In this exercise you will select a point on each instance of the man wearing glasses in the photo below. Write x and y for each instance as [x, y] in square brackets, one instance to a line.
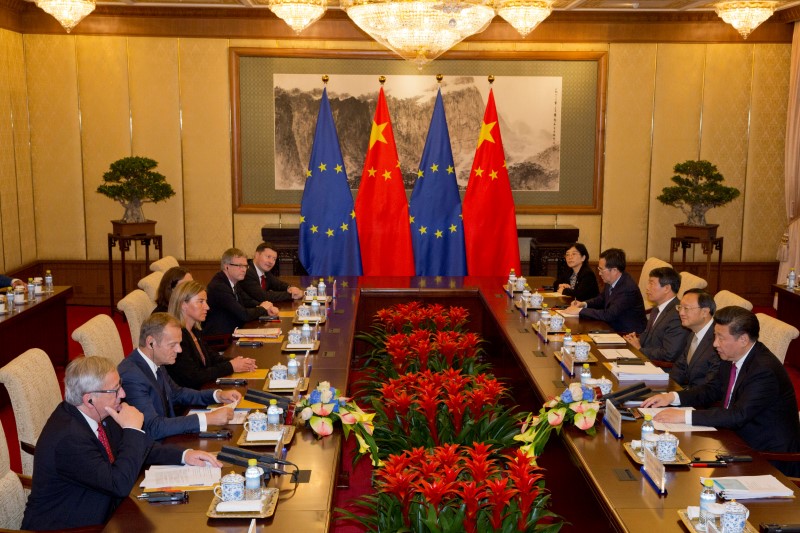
[698, 363]
[230, 307]
[91, 451]
[620, 305]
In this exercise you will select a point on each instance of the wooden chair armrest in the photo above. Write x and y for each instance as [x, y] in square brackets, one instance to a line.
[662, 364]
[26, 447]
[776, 456]
[27, 481]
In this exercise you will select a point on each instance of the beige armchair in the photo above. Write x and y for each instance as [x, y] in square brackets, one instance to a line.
[163, 264]
[99, 337]
[650, 264]
[34, 391]
[776, 334]
[728, 298]
[12, 489]
[149, 284]
[137, 306]
[690, 281]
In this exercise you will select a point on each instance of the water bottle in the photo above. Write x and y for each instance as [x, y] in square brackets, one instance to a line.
[321, 288]
[568, 345]
[252, 480]
[707, 497]
[544, 316]
[273, 416]
[305, 333]
[586, 373]
[31, 290]
[512, 279]
[647, 428]
[315, 307]
[10, 301]
[48, 282]
[791, 279]
[292, 366]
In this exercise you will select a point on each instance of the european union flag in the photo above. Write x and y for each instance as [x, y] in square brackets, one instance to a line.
[328, 234]
[435, 210]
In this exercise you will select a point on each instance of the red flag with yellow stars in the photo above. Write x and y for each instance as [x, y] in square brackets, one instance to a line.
[490, 224]
[381, 205]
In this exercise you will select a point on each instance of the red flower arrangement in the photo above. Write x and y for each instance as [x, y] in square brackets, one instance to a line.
[416, 315]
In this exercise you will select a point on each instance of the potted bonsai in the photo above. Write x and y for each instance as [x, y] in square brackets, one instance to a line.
[132, 181]
[698, 187]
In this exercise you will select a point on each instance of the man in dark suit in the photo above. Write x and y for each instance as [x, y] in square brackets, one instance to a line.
[260, 285]
[229, 306]
[620, 304]
[91, 451]
[5, 281]
[152, 391]
[698, 363]
[752, 390]
[664, 338]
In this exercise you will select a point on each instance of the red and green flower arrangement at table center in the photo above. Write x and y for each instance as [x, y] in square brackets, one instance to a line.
[451, 453]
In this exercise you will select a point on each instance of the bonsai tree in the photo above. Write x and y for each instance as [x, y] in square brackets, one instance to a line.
[698, 187]
[132, 182]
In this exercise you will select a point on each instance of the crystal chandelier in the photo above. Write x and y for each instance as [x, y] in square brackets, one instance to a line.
[524, 15]
[420, 30]
[745, 16]
[299, 14]
[67, 12]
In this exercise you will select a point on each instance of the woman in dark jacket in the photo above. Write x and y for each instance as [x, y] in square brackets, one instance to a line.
[169, 281]
[580, 282]
[198, 364]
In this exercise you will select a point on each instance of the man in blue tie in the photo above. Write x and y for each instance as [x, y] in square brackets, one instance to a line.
[91, 451]
[751, 393]
[151, 390]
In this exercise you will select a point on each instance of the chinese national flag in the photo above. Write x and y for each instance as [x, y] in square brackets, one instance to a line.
[490, 224]
[381, 205]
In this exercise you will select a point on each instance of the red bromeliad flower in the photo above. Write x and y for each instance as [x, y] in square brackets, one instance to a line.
[468, 345]
[458, 316]
[499, 494]
[478, 462]
[428, 404]
[435, 491]
[526, 478]
[456, 409]
[471, 494]
[401, 486]
[447, 455]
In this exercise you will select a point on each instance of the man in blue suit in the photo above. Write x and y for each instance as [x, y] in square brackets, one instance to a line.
[620, 304]
[5, 281]
[91, 451]
[152, 391]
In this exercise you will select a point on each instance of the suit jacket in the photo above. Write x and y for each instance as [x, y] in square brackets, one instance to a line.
[251, 285]
[621, 308]
[763, 408]
[5, 281]
[74, 483]
[156, 404]
[585, 284]
[229, 308]
[667, 339]
[703, 366]
[189, 369]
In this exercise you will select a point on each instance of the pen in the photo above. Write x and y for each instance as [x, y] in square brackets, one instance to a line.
[708, 464]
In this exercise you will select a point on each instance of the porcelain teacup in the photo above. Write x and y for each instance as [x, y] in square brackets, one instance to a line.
[230, 488]
[256, 421]
[667, 447]
[279, 371]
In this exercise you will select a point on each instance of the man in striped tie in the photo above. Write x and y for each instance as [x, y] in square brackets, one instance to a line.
[751, 393]
[91, 451]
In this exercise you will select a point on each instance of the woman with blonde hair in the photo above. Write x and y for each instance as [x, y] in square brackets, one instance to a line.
[198, 364]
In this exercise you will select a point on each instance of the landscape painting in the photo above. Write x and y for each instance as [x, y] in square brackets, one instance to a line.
[528, 107]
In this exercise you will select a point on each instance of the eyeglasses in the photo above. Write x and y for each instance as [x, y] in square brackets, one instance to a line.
[680, 308]
[238, 265]
[603, 269]
[115, 392]
[572, 254]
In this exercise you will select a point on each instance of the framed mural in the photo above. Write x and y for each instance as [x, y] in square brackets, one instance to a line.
[551, 107]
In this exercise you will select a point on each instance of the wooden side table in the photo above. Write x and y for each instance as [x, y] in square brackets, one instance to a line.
[707, 245]
[125, 245]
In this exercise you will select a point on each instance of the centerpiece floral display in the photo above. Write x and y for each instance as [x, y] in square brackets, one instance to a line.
[403, 318]
[576, 406]
[456, 489]
[323, 406]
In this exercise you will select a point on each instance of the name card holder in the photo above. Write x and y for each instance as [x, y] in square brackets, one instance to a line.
[654, 472]
[543, 332]
[613, 420]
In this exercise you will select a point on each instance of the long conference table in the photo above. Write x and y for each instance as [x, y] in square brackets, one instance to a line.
[619, 497]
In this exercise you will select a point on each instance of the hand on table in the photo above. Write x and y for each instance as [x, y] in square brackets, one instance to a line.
[659, 400]
[200, 458]
[243, 364]
[675, 416]
[633, 340]
[219, 417]
[229, 396]
[295, 292]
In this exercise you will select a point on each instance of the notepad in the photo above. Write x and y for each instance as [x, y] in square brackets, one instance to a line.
[161, 476]
[606, 338]
[261, 373]
[646, 372]
[257, 332]
[748, 487]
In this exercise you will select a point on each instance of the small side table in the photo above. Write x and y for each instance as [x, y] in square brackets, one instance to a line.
[707, 245]
[125, 245]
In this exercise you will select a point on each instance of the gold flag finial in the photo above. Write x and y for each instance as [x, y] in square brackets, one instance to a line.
[325, 79]
[491, 79]
[382, 79]
[439, 78]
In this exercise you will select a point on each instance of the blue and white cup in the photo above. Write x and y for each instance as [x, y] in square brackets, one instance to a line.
[230, 488]
[256, 421]
[536, 299]
[734, 517]
[556, 322]
[667, 447]
[304, 311]
[279, 371]
[520, 283]
[310, 291]
[605, 385]
[581, 351]
[294, 336]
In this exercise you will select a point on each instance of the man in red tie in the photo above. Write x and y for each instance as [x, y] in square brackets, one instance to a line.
[260, 285]
[91, 451]
[751, 393]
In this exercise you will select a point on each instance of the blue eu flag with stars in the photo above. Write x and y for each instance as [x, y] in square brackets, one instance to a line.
[435, 209]
[328, 235]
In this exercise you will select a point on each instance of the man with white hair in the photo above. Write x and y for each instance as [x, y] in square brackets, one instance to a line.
[91, 451]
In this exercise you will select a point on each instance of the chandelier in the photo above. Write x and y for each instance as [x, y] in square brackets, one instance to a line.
[299, 14]
[67, 12]
[524, 15]
[745, 16]
[420, 30]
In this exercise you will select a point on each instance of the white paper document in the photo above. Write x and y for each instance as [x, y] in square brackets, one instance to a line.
[748, 487]
[164, 476]
[239, 415]
[617, 353]
[646, 372]
[672, 427]
[270, 333]
[607, 338]
[568, 312]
